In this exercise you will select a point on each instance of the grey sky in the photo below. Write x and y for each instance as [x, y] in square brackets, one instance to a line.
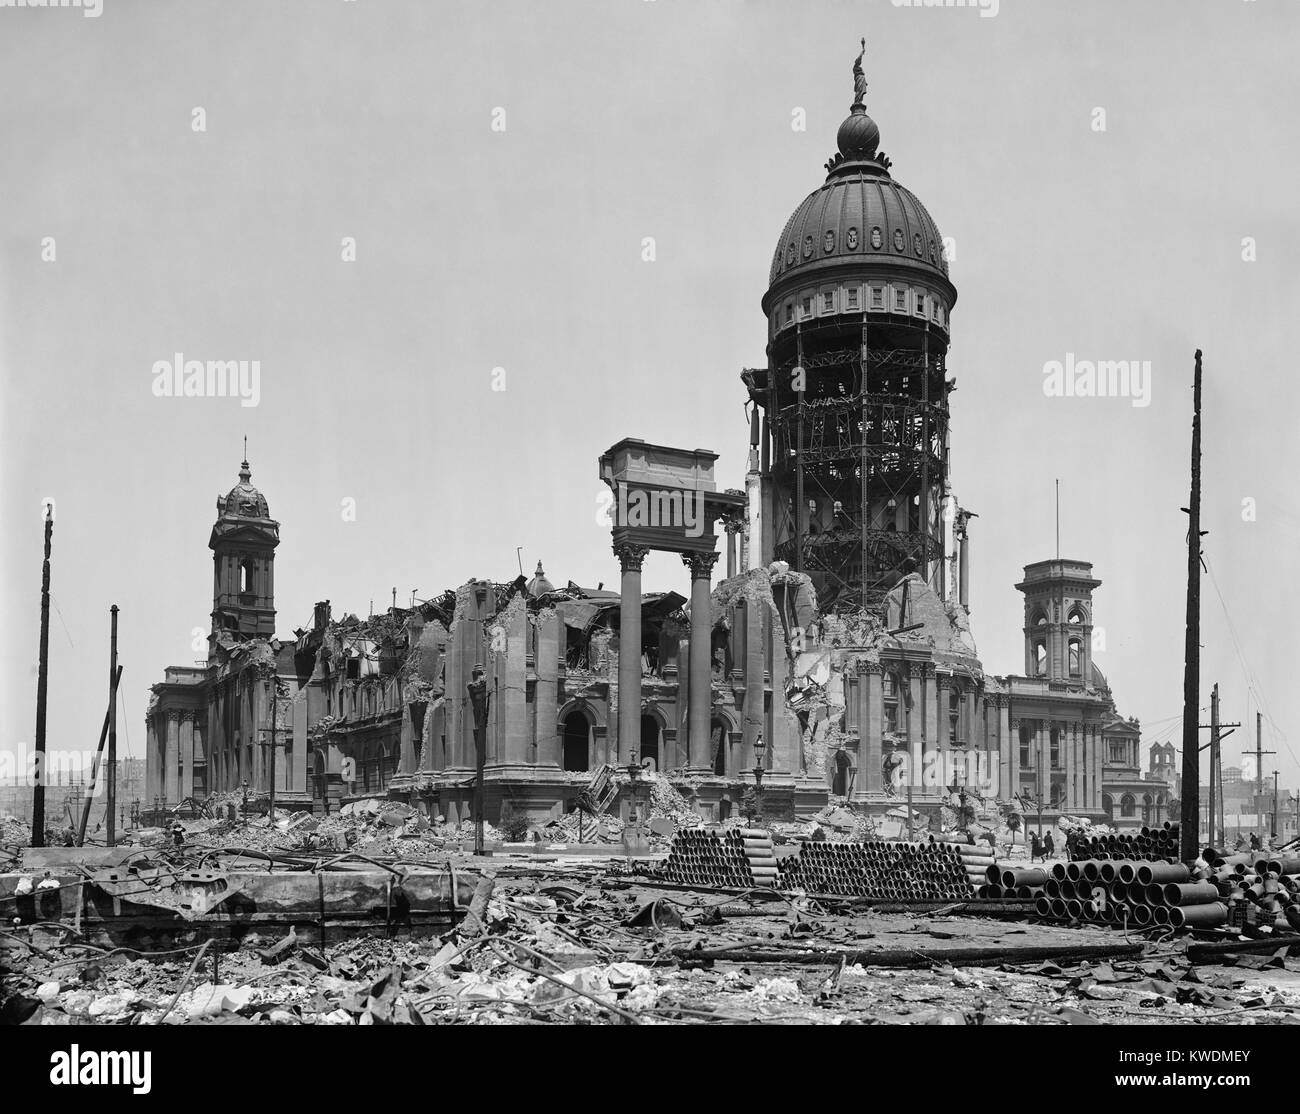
[522, 250]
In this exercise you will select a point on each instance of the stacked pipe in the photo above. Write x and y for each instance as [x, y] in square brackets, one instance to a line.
[878, 869]
[743, 858]
[1148, 845]
[1261, 889]
[1116, 892]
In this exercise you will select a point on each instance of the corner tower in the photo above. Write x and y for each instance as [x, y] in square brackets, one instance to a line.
[854, 397]
[1058, 620]
[243, 544]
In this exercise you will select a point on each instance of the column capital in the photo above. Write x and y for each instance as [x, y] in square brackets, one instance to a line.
[869, 665]
[173, 715]
[630, 556]
[944, 680]
[928, 670]
[700, 564]
[1015, 724]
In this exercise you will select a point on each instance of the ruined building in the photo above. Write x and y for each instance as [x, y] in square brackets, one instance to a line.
[833, 656]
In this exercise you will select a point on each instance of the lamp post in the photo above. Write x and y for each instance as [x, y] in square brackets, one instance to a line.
[759, 748]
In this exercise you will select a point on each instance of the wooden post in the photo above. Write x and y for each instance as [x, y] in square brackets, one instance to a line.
[1190, 820]
[111, 779]
[42, 688]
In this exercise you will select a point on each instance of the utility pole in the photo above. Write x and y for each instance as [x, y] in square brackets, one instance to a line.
[1189, 827]
[1215, 745]
[1276, 823]
[110, 780]
[1259, 771]
[42, 688]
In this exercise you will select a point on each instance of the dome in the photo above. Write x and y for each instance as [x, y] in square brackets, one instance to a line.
[244, 499]
[864, 216]
[860, 214]
[539, 585]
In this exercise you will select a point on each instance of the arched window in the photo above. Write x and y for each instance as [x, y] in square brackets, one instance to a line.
[1127, 805]
[1076, 616]
[246, 576]
[1040, 659]
[1076, 658]
[954, 714]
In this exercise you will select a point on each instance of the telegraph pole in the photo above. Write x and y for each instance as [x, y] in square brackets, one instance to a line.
[1259, 771]
[110, 781]
[42, 688]
[1217, 735]
[1273, 830]
[1190, 818]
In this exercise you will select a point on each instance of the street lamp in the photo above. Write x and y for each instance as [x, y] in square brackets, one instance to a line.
[759, 748]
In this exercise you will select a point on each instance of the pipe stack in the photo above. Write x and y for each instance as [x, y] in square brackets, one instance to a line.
[1116, 892]
[1261, 888]
[742, 859]
[878, 869]
[1148, 845]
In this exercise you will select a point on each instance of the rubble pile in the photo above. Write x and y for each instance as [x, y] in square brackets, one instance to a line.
[878, 869]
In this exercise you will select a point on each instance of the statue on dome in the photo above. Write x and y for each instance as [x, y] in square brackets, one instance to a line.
[859, 77]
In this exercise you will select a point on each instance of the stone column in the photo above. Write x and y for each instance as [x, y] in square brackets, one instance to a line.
[547, 749]
[870, 727]
[512, 669]
[732, 528]
[752, 711]
[630, 558]
[1097, 760]
[1013, 731]
[1008, 751]
[1042, 731]
[187, 755]
[916, 749]
[931, 746]
[152, 756]
[700, 697]
[171, 782]
[943, 749]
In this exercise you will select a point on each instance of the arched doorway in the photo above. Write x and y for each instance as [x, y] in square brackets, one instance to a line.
[1108, 805]
[650, 740]
[718, 744]
[577, 751]
[840, 779]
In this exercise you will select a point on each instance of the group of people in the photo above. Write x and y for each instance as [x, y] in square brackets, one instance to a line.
[1044, 848]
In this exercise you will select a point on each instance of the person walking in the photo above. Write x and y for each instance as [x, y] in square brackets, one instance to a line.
[1049, 847]
[1035, 847]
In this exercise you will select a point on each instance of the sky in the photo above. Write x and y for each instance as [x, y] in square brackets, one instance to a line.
[185, 178]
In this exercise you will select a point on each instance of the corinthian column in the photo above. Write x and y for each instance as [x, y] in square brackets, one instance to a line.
[630, 558]
[699, 697]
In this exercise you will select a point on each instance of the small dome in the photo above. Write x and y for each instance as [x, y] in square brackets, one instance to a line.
[244, 499]
[539, 585]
